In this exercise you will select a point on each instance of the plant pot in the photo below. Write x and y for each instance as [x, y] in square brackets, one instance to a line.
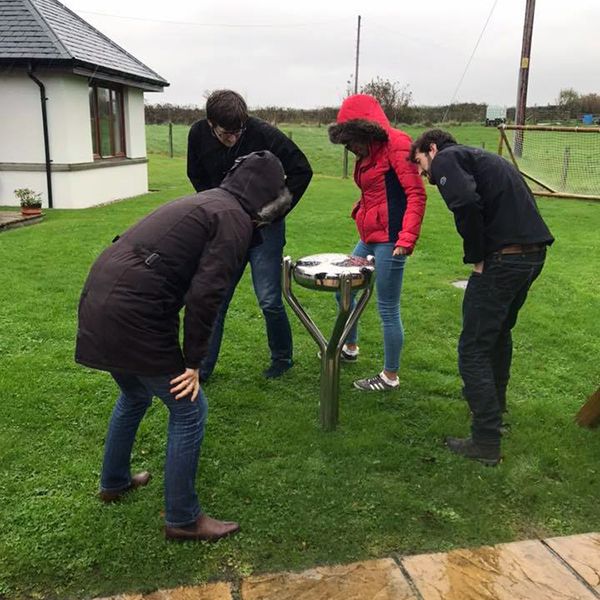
[31, 211]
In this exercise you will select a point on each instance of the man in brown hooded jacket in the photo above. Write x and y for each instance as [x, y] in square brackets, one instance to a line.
[185, 253]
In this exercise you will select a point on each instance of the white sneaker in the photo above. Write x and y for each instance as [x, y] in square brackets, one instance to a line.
[346, 355]
[375, 384]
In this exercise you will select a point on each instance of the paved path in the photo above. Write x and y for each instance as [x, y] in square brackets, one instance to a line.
[10, 219]
[565, 568]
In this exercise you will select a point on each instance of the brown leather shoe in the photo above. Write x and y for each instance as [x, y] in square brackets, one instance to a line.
[204, 529]
[138, 480]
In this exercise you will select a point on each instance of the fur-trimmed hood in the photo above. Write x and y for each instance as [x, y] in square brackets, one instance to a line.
[255, 180]
[360, 119]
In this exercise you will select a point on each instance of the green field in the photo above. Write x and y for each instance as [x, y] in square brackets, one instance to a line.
[565, 162]
[315, 142]
[381, 484]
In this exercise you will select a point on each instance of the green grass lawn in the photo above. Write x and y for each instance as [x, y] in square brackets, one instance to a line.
[381, 483]
[543, 157]
[314, 141]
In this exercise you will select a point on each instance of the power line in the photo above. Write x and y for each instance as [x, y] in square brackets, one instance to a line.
[402, 36]
[470, 59]
[229, 25]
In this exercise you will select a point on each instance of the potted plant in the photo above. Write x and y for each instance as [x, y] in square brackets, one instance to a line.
[31, 202]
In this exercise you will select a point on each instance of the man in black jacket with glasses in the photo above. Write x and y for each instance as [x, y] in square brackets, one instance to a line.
[213, 145]
[505, 239]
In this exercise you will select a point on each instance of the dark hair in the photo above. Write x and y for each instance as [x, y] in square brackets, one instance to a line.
[227, 109]
[424, 141]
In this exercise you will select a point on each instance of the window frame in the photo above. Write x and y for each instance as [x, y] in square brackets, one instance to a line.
[95, 117]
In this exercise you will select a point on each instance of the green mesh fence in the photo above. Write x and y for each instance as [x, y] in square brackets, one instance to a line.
[562, 160]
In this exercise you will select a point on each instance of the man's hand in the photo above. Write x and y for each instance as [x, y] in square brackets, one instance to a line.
[186, 384]
[478, 267]
[400, 251]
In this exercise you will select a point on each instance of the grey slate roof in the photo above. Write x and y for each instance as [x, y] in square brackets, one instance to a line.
[47, 32]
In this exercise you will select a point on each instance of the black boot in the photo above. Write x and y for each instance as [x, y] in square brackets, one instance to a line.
[278, 368]
[487, 454]
[505, 427]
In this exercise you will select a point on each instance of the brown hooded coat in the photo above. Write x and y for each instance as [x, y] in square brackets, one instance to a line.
[185, 253]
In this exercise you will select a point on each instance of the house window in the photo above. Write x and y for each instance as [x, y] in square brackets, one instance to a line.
[106, 118]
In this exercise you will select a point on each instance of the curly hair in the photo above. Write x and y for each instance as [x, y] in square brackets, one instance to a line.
[357, 130]
[423, 143]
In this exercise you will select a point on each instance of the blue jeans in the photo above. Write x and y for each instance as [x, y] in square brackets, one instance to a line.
[185, 434]
[265, 262]
[388, 284]
[490, 309]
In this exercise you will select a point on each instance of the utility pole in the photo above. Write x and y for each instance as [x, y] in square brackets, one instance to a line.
[357, 56]
[345, 174]
[524, 74]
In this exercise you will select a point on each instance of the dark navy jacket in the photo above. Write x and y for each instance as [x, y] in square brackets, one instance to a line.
[493, 206]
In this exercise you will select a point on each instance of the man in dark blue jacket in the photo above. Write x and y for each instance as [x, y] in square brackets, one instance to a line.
[213, 145]
[505, 239]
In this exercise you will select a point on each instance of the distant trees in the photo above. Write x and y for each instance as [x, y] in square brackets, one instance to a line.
[393, 97]
[401, 113]
[575, 104]
[172, 113]
[590, 103]
[186, 115]
[396, 101]
[568, 99]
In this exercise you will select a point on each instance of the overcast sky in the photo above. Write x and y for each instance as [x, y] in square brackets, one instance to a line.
[301, 53]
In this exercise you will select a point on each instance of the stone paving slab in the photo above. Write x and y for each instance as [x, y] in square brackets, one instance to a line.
[9, 219]
[213, 591]
[518, 571]
[566, 568]
[369, 580]
[6, 216]
[582, 553]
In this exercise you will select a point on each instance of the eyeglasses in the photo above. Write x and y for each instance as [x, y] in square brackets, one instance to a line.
[219, 131]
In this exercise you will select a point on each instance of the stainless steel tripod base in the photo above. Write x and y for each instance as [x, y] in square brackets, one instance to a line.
[346, 319]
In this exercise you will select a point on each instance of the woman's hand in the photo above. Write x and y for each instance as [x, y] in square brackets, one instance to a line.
[400, 251]
[186, 384]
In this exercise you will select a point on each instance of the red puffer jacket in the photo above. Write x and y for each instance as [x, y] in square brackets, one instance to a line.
[392, 201]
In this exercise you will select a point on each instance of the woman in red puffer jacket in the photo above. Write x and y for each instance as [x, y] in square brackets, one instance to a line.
[388, 217]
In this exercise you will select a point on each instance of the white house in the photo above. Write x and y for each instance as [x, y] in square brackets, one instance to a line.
[71, 109]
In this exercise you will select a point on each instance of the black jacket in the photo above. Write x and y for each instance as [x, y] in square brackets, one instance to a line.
[492, 205]
[208, 159]
[184, 253]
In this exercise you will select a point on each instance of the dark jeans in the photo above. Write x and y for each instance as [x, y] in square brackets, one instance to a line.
[265, 262]
[185, 434]
[490, 308]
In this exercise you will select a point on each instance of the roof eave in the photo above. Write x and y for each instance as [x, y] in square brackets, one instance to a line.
[85, 69]
[114, 76]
